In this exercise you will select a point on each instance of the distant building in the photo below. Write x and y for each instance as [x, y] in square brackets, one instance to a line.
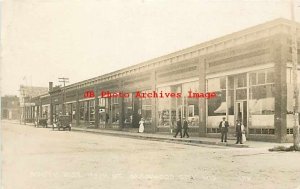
[26, 104]
[10, 107]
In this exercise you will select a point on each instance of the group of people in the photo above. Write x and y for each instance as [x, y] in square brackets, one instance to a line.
[223, 126]
[179, 128]
[239, 129]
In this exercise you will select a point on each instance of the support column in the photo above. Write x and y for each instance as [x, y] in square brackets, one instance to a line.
[77, 115]
[97, 92]
[51, 110]
[121, 107]
[41, 108]
[278, 53]
[109, 124]
[202, 101]
[122, 115]
[153, 103]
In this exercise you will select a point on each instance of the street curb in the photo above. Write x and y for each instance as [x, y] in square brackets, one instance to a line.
[193, 142]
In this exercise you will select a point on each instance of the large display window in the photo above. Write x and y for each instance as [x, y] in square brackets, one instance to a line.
[103, 111]
[164, 112]
[262, 99]
[146, 110]
[172, 109]
[216, 107]
[191, 105]
[92, 112]
[115, 110]
[128, 110]
[81, 111]
[74, 112]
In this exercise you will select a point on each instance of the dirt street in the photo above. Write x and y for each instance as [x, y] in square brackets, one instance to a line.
[39, 158]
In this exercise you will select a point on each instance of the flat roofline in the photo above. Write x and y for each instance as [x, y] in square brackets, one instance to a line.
[194, 47]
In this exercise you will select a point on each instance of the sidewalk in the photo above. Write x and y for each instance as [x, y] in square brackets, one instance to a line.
[188, 141]
[196, 141]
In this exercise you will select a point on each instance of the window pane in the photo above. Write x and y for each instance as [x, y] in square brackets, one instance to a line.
[230, 102]
[230, 82]
[261, 78]
[270, 77]
[262, 100]
[213, 84]
[252, 78]
[146, 109]
[81, 110]
[86, 110]
[115, 110]
[191, 86]
[164, 108]
[102, 111]
[241, 94]
[128, 110]
[217, 106]
[92, 112]
[223, 83]
[242, 80]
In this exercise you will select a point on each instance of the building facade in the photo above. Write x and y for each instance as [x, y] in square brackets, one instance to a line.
[250, 71]
[10, 107]
[27, 104]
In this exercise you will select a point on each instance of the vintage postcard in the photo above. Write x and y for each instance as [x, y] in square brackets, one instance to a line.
[150, 94]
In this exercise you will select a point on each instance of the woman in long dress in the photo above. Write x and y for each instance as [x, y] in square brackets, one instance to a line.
[243, 133]
[141, 128]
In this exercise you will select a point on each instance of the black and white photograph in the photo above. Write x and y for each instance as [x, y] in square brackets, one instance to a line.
[141, 94]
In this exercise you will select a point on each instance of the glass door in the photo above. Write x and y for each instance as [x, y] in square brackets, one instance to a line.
[241, 112]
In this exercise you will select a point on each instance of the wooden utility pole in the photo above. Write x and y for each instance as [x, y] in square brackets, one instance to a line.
[22, 96]
[63, 80]
[295, 79]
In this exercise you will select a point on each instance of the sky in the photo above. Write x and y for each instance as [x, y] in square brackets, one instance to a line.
[42, 40]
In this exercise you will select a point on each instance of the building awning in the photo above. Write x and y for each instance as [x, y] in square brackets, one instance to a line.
[221, 109]
[257, 106]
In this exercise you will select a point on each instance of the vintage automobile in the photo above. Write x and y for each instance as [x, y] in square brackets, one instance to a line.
[41, 122]
[63, 122]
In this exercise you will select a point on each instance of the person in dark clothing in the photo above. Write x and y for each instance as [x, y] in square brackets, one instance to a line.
[223, 126]
[106, 118]
[185, 128]
[179, 128]
[239, 131]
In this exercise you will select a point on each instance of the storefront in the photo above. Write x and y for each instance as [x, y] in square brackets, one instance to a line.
[249, 73]
[248, 97]
[172, 109]
[86, 112]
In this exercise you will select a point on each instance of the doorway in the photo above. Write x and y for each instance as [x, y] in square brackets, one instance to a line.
[241, 112]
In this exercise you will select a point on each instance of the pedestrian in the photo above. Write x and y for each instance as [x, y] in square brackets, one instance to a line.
[141, 127]
[106, 118]
[179, 128]
[243, 134]
[223, 126]
[239, 132]
[185, 128]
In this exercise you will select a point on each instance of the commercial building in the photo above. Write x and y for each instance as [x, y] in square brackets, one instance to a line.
[250, 71]
[27, 104]
[10, 107]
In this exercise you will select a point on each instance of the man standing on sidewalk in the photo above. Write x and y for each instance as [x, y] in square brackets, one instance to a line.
[185, 128]
[223, 126]
[239, 132]
[179, 128]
